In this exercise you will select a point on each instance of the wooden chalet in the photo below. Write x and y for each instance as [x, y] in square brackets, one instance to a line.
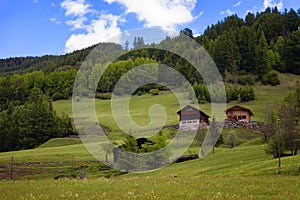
[239, 113]
[191, 117]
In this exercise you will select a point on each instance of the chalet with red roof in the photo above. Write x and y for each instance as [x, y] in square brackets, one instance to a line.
[239, 113]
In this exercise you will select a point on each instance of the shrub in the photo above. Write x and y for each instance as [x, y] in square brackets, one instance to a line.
[57, 96]
[232, 140]
[246, 79]
[139, 93]
[154, 92]
[67, 173]
[246, 94]
[77, 98]
[271, 78]
[105, 96]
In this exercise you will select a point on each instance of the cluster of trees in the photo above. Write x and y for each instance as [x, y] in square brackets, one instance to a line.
[32, 124]
[244, 50]
[284, 125]
[233, 93]
[49, 63]
[17, 88]
[257, 44]
[128, 162]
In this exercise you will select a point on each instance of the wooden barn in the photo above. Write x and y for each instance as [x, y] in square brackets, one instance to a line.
[191, 117]
[239, 113]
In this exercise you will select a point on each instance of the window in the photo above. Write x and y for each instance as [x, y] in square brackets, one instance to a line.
[237, 112]
[183, 122]
[243, 116]
[244, 112]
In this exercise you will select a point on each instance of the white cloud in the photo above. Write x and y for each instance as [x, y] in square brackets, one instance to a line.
[77, 23]
[237, 4]
[35, 1]
[98, 31]
[92, 31]
[273, 3]
[76, 7]
[199, 15]
[54, 20]
[227, 12]
[166, 14]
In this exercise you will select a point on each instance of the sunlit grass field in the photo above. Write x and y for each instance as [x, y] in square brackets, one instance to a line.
[244, 172]
[265, 98]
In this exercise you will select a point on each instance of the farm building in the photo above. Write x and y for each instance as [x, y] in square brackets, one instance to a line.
[239, 113]
[190, 118]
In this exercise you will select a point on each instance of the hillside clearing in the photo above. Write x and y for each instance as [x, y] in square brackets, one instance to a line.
[245, 172]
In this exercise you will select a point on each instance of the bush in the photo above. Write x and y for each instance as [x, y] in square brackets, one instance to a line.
[139, 93]
[105, 96]
[154, 92]
[67, 173]
[246, 79]
[246, 94]
[272, 147]
[77, 98]
[232, 93]
[232, 140]
[271, 78]
[57, 96]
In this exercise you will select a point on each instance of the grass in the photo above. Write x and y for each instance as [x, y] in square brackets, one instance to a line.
[266, 96]
[57, 142]
[245, 172]
[243, 135]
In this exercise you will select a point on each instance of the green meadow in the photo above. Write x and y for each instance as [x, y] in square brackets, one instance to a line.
[266, 96]
[244, 172]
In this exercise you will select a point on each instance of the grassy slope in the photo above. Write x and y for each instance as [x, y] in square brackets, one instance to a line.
[57, 142]
[266, 96]
[245, 172]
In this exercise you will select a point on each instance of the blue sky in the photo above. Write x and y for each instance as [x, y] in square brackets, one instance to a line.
[39, 27]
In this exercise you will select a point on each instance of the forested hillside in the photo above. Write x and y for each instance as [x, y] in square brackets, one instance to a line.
[258, 43]
[246, 51]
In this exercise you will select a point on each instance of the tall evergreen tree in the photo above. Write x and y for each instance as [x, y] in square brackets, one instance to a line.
[247, 44]
[262, 60]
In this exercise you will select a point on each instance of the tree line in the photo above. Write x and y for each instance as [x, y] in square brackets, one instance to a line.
[257, 44]
[29, 125]
[16, 89]
[245, 51]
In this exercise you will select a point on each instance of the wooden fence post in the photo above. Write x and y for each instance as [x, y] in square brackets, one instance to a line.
[72, 160]
[11, 168]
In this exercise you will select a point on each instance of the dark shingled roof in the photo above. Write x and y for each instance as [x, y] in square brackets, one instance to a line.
[240, 107]
[191, 107]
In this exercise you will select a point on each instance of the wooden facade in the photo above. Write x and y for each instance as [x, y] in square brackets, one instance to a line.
[191, 117]
[239, 113]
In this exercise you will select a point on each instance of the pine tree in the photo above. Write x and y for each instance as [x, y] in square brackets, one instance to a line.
[247, 44]
[262, 59]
